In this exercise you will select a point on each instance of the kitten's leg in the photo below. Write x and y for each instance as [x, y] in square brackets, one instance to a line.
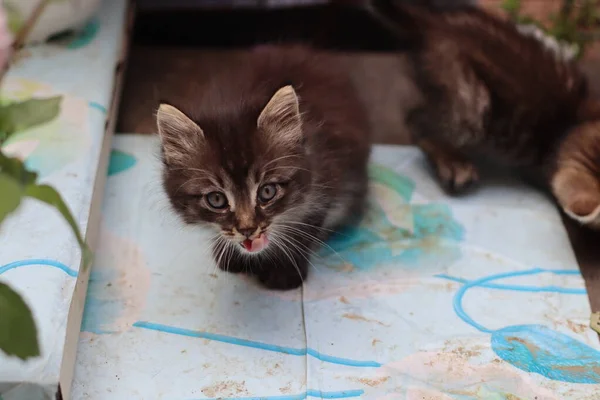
[281, 271]
[227, 258]
[455, 172]
[451, 119]
[286, 261]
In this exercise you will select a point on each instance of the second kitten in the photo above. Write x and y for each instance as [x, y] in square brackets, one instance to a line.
[491, 91]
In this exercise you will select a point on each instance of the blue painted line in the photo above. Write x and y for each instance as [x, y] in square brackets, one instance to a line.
[36, 261]
[519, 288]
[256, 345]
[345, 394]
[458, 297]
[98, 106]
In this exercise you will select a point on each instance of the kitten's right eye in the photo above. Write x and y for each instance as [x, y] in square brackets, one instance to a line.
[217, 200]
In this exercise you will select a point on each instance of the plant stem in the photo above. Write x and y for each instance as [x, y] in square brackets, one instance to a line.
[21, 36]
[29, 24]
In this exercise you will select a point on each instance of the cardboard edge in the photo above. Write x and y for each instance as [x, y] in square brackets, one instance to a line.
[67, 369]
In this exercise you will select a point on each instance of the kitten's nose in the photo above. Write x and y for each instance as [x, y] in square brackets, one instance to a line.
[247, 231]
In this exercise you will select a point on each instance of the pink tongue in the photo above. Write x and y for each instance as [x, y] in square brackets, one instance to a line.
[257, 244]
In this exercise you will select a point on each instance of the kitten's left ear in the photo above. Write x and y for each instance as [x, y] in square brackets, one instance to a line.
[281, 117]
[179, 135]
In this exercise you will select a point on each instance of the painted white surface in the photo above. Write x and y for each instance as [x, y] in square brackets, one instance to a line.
[376, 323]
[57, 17]
[66, 153]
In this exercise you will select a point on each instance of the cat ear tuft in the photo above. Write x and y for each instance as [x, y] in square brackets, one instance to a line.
[281, 117]
[180, 136]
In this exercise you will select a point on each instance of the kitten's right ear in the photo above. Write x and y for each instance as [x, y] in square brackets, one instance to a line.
[179, 135]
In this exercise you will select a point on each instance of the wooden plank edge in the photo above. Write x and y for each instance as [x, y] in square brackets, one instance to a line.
[67, 370]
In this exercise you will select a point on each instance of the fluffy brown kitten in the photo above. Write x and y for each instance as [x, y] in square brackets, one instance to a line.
[492, 92]
[273, 156]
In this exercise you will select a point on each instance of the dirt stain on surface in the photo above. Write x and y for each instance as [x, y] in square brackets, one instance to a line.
[374, 342]
[346, 267]
[286, 389]
[374, 382]
[272, 370]
[225, 389]
[575, 327]
[531, 347]
[344, 300]
[357, 317]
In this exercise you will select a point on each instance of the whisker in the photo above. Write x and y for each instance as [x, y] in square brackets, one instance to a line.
[188, 181]
[299, 250]
[287, 167]
[311, 237]
[282, 246]
[281, 158]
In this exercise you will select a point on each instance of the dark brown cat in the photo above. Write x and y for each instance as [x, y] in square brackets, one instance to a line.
[272, 156]
[495, 93]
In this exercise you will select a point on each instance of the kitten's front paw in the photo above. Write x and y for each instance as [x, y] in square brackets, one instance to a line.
[282, 278]
[231, 264]
[456, 176]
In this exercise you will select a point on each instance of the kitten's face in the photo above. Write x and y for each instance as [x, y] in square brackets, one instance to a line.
[243, 180]
[576, 182]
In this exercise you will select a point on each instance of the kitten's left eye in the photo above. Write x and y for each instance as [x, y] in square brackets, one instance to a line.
[267, 192]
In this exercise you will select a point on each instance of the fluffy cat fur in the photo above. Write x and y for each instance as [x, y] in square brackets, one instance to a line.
[286, 126]
[494, 92]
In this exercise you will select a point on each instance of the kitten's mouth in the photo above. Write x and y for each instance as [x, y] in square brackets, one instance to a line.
[257, 244]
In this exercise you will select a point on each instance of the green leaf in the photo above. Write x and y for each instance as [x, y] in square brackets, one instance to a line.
[18, 336]
[15, 168]
[12, 193]
[14, 18]
[50, 196]
[14, 177]
[19, 116]
[16, 181]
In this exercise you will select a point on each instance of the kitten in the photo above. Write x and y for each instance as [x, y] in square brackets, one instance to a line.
[273, 155]
[496, 93]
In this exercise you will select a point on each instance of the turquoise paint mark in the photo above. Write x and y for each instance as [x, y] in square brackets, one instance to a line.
[119, 162]
[436, 220]
[519, 288]
[256, 345]
[377, 241]
[536, 348]
[86, 36]
[389, 178]
[539, 349]
[98, 106]
[101, 308]
[37, 261]
[345, 394]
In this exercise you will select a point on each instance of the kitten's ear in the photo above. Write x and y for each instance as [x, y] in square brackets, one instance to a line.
[179, 135]
[281, 117]
[579, 196]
